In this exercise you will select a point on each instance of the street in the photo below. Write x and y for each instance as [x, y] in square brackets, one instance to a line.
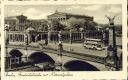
[78, 47]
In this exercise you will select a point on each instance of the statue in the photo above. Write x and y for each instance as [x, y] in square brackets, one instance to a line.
[111, 20]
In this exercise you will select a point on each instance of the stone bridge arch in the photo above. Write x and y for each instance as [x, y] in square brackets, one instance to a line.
[15, 53]
[14, 50]
[79, 65]
[67, 60]
[39, 57]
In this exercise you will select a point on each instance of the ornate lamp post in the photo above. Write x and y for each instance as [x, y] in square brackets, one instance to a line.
[60, 61]
[8, 60]
[49, 31]
[26, 45]
[114, 47]
[6, 34]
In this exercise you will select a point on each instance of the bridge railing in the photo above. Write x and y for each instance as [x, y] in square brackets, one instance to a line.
[82, 56]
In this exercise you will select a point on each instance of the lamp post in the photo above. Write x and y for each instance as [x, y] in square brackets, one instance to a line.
[26, 45]
[49, 31]
[60, 49]
[112, 27]
[6, 44]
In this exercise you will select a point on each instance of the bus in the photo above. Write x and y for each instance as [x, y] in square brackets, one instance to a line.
[95, 44]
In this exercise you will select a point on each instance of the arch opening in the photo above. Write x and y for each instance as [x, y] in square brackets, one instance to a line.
[15, 58]
[77, 65]
[40, 57]
[15, 53]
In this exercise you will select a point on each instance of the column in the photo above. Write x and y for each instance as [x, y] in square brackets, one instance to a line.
[49, 35]
[9, 37]
[110, 36]
[40, 36]
[24, 38]
[82, 36]
[70, 36]
[60, 36]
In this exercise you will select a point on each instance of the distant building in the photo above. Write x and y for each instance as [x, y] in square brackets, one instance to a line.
[63, 17]
[21, 23]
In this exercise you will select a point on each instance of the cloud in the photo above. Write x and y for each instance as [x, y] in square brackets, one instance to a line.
[87, 8]
[114, 10]
[93, 7]
[74, 7]
[33, 13]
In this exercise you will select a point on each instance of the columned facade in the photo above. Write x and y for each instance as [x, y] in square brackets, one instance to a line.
[32, 36]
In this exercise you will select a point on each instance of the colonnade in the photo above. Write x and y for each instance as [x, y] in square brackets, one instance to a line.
[16, 37]
[54, 36]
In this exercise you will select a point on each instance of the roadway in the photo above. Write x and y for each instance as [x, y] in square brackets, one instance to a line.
[78, 47]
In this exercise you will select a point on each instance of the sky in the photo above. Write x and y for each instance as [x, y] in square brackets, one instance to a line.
[98, 11]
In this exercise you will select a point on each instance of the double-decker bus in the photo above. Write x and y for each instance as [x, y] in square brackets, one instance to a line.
[95, 44]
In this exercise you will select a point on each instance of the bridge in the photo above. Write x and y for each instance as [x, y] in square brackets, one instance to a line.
[25, 48]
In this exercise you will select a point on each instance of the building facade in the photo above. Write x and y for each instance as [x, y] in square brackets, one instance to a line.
[63, 17]
[21, 23]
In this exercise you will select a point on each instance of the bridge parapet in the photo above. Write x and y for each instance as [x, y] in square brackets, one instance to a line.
[66, 55]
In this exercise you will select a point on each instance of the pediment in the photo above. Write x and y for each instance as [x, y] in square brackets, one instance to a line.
[56, 15]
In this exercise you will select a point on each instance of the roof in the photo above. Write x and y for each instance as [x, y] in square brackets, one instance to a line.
[68, 14]
[11, 17]
[15, 17]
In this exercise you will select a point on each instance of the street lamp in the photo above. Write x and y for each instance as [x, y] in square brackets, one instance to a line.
[7, 35]
[6, 28]
[49, 31]
[59, 63]
[26, 45]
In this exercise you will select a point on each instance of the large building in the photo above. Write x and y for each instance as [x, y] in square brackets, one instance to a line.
[21, 23]
[63, 17]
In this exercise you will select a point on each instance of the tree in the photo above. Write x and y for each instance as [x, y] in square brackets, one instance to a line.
[90, 25]
[75, 24]
[43, 26]
[56, 25]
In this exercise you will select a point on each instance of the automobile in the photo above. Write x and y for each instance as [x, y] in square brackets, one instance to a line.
[58, 67]
[49, 67]
[45, 66]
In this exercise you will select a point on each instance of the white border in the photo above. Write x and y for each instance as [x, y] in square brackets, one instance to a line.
[77, 75]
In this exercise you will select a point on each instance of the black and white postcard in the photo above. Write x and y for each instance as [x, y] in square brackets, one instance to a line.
[84, 40]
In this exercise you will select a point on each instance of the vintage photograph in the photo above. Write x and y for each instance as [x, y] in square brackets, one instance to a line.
[79, 37]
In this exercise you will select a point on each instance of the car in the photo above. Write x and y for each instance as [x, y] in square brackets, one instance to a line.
[58, 67]
[49, 67]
